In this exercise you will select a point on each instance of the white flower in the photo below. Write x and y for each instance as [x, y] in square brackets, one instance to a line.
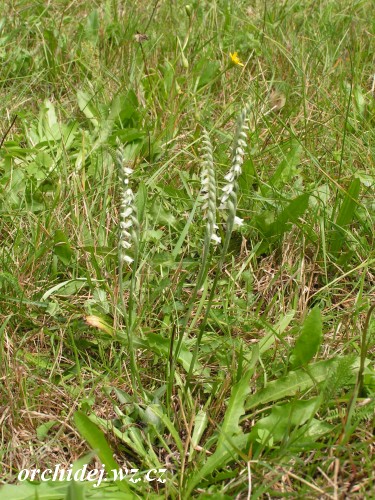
[230, 189]
[230, 176]
[128, 214]
[238, 221]
[208, 189]
[215, 238]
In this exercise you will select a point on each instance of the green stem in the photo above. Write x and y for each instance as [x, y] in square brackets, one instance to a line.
[200, 280]
[230, 224]
[128, 313]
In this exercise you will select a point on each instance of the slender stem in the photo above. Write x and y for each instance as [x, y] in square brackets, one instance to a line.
[200, 280]
[230, 201]
[359, 382]
[209, 191]
[364, 348]
[230, 224]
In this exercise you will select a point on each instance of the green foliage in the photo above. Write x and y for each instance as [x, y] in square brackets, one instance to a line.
[193, 357]
[97, 441]
[231, 437]
[309, 340]
[345, 215]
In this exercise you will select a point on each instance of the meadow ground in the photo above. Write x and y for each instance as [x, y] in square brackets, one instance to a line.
[238, 357]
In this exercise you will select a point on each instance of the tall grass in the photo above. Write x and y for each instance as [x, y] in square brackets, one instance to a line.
[187, 247]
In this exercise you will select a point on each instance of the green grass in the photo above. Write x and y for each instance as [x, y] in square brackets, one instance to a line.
[245, 369]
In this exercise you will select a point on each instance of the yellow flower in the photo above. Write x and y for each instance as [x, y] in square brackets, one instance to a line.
[235, 59]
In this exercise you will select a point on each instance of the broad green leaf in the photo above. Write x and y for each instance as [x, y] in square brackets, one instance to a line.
[200, 425]
[294, 382]
[359, 100]
[349, 204]
[247, 178]
[162, 216]
[75, 491]
[87, 107]
[185, 231]
[231, 438]
[289, 215]
[43, 429]
[207, 71]
[309, 340]
[235, 409]
[216, 462]
[130, 135]
[62, 247]
[161, 346]
[66, 288]
[345, 215]
[287, 167]
[129, 109]
[132, 437]
[48, 126]
[58, 490]
[168, 77]
[282, 419]
[50, 113]
[30, 491]
[169, 425]
[96, 439]
[92, 26]
[269, 339]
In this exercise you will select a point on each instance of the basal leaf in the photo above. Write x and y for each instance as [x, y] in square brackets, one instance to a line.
[85, 103]
[141, 201]
[283, 418]
[235, 409]
[200, 425]
[287, 167]
[295, 381]
[96, 439]
[308, 342]
[231, 438]
[62, 248]
[289, 215]
[345, 215]
[217, 461]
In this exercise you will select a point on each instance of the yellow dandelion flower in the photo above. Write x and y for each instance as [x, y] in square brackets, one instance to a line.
[235, 59]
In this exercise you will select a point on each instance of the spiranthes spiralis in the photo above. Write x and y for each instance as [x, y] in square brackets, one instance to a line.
[128, 242]
[229, 204]
[208, 196]
[129, 227]
[228, 199]
[208, 189]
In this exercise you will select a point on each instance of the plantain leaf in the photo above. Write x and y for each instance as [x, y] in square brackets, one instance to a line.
[96, 439]
[85, 103]
[288, 166]
[231, 438]
[290, 215]
[310, 339]
[345, 215]
[282, 419]
[234, 411]
[62, 248]
[296, 381]
[200, 425]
